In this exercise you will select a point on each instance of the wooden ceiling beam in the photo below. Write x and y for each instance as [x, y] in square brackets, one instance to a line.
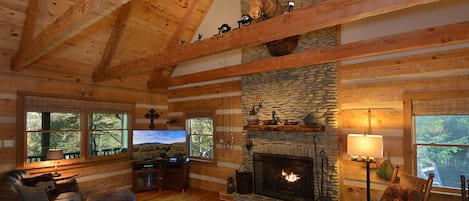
[30, 23]
[425, 38]
[116, 35]
[300, 21]
[81, 15]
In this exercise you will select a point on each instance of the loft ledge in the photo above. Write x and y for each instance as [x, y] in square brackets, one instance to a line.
[298, 128]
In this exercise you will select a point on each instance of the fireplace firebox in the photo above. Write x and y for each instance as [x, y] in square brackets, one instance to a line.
[284, 177]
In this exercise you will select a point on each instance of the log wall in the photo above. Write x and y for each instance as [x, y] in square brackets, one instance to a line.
[222, 98]
[380, 86]
[92, 176]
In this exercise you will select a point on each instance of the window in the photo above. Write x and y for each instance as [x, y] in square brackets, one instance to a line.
[200, 130]
[52, 130]
[82, 129]
[442, 144]
[438, 138]
[108, 134]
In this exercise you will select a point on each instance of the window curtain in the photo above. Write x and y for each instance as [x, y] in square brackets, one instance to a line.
[443, 106]
[48, 104]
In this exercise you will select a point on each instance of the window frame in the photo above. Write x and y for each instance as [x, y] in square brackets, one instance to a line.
[189, 135]
[21, 144]
[409, 138]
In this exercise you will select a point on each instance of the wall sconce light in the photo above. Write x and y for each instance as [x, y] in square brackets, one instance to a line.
[55, 154]
[364, 148]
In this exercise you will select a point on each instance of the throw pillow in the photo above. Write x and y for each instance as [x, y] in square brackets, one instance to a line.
[49, 187]
[31, 181]
[29, 193]
[395, 192]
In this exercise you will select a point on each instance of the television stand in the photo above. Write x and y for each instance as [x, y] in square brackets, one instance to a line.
[160, 175]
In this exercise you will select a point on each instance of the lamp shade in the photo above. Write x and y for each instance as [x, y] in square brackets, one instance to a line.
[55, 154]
[365, 145]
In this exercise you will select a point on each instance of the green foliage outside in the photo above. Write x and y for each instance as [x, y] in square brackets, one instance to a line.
[201, 137]
[439, 150]
[107, 131]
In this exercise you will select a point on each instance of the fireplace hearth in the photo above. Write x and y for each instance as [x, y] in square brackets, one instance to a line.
[284, 177]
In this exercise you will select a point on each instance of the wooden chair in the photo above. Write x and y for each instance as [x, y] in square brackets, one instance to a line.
[411, 184]
[464, 194]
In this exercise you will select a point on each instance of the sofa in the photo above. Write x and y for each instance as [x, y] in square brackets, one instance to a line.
[19, 186]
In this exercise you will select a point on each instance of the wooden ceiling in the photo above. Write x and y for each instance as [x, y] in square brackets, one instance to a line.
[77, 38]
[109, 40]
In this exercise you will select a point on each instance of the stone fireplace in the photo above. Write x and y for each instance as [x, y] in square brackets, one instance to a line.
[284, 177]
[293, 94]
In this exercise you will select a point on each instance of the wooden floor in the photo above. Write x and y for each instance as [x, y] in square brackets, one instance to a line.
[190, 194]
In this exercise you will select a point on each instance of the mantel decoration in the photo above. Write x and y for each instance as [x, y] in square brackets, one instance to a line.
[309, 120]
[152, 115]
[252, 118]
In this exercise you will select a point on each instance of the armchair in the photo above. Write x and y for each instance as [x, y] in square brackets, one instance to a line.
[407, 187]
[17, 185]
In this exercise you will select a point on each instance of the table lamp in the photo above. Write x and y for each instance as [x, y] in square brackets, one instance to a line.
[364, 148]
[55, 154]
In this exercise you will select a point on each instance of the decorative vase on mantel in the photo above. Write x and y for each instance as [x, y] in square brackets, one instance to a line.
[309, 120]
[252, 118]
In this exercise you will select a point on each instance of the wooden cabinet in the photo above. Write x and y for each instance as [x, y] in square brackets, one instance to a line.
[159, 175]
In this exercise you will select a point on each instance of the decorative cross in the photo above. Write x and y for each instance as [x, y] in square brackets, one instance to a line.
[152, 115]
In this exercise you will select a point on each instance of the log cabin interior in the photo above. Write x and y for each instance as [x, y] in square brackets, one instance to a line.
[356, 67]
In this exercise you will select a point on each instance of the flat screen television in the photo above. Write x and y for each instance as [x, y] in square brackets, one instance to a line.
[159, 144]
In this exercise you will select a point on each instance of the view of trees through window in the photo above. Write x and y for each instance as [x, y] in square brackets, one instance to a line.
[108, 133]
[201, 137]
[443, 148]
[47, 130]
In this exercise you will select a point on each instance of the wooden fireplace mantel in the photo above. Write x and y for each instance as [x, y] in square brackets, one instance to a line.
[297, 128]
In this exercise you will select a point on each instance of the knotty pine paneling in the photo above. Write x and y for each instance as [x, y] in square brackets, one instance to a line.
[211, 104]
[229, 155]
[230, 119]
[415, 66]
[7, 107]
[63, 88]
[381, 118]
[217, 88]
[393, 91]
[50, 11]
[8, 131]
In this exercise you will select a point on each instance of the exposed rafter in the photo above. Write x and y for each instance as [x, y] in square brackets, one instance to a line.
[319, 16]
[116, 35]
[81, 15]
[431, 37]
[30, 23]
